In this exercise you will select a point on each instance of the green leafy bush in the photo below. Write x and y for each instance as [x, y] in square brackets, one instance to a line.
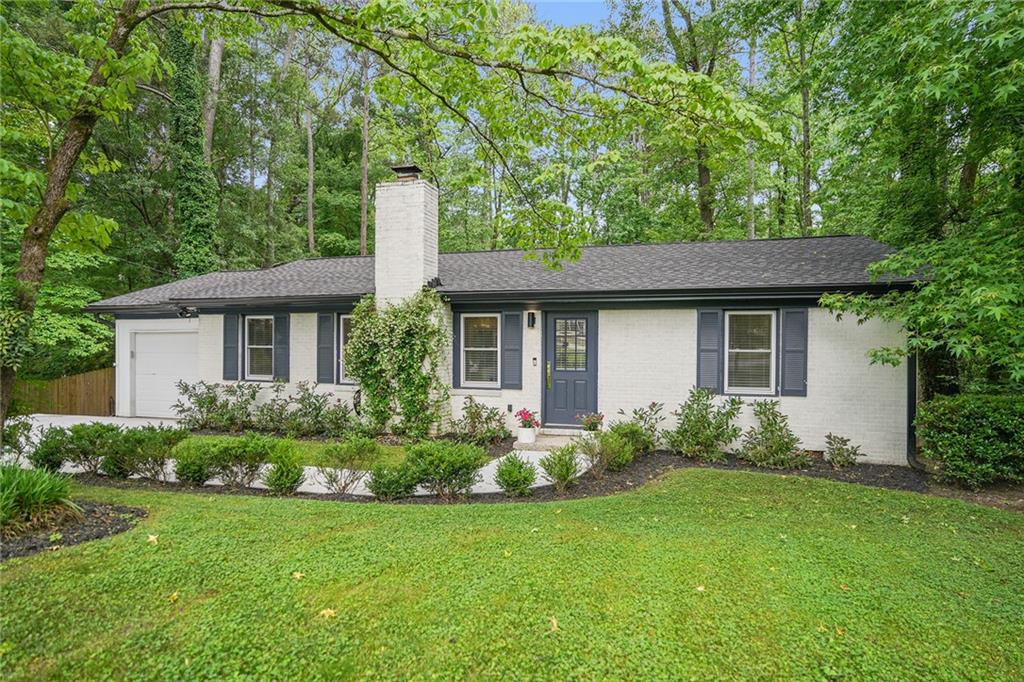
[227, 407]
[31, 495]
[771, 443]
[839, 452]
[479, 424]
[704, 429]
[153, 445]
[561, 467]
[515, 475]
[648, 420]
[445, 468]
[16, 439]
[343, 465]
[50, 452]
[237, 461]
[193, 465]
[306, 417]
[604, 451]
[89, 443]
[285, 474]
[592, 421]
[978, 439]
[639, 440]
[392, 482]
[271, 416]
[121, 456]
[338, 420]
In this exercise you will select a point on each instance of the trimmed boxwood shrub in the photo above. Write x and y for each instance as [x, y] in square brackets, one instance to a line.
[446, 469]
[192, 466]
[237, 461]
[89, 443]
[285, 474]
[561, 466]
[51, 451]
[515, 475]
[605, 451]
[343, 465]
[392, 482]
[978, 439]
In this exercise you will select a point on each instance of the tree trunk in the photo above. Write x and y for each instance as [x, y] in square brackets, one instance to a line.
[364, 161]
[751, 176]
[35, 241]
[212, 94]
[805, 123]
[705, 201]
[310, 237]
[286, 61]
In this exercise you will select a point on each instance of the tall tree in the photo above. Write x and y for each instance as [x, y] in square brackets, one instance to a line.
[364, 153]
[212, 95]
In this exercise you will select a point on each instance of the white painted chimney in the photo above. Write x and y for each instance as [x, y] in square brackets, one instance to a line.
[405, 243]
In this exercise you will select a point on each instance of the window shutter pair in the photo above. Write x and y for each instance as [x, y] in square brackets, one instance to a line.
[792, 350]
[511, 350]
[233, 339]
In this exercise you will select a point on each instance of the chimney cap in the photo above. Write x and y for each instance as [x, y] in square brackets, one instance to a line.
[409, 172]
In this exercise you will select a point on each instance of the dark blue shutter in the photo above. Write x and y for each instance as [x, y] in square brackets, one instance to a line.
[793, 351]
[325, 360]
[512, 350]
[710, 348]
[281, 347]
[456, 350]
[231, 347]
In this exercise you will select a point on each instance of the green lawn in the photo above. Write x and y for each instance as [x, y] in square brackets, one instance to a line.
[308, 451]
[704, 574]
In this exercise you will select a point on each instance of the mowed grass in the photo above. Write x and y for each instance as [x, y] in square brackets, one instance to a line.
[704, 574]
[307, 451]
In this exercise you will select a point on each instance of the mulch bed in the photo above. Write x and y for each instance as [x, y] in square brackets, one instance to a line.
[97, 521]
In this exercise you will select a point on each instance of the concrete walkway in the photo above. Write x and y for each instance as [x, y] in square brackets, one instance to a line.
[313, 483]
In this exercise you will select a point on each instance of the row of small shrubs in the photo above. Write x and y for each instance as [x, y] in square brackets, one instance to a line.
[97, 447]
[444, 468]
[235, 408]
[479, 424]
[978, 439]
[32, 496]
[239, 462]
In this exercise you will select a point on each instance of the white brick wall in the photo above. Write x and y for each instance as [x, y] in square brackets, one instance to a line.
[405, 238]
[649, 355]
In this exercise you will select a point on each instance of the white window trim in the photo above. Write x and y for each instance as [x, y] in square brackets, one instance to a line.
[339, 350]
[245, 338]
[463, 349]
[747, 390]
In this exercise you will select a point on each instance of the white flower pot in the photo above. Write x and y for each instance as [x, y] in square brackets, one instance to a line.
[527, 434]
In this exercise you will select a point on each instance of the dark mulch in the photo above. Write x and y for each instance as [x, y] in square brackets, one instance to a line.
[97, 521]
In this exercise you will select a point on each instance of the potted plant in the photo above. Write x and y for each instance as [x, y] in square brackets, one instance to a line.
[592, 422]
[528, 424]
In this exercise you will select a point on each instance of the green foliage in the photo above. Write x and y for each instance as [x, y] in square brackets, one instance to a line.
[151, 447]
[51, 451]
[978, 439]
[839, 452]
[343, 465]
[448, 470]
[515, 475]
[605, 451]
[479, 424]
[648, 419]
[219, 407]
[591, 422]
[285, 474]
[88, 444]
[31, 495]
[638, 440]
[703, 429]
[194, 465]
[237, 461]
[16, 439]
[396, 355]
[771, 443]
[561, 467]
[391, 482]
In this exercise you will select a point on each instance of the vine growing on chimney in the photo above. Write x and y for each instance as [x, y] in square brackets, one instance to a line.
[396, 354]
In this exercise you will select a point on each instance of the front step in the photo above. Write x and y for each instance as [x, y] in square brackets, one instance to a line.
[559, 431]
[543, 443]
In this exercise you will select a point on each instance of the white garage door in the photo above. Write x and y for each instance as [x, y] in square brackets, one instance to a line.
[162, 359]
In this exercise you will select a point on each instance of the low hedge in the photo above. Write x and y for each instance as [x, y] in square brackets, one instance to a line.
[977, 439]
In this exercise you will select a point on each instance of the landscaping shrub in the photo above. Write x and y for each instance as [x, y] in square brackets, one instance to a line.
[338, 420]
[605, 451]
[16, 439]
[392, 482]
[121, 456]
[479, 424]
[561, 467]
[271, 416]
[193, 465]
[306, 417]
[285, 474]
[515, 475]
[51, 450]
[771, 443]
[237, 461]
[977, 439]
[31, 495]
[592, 422]
[88, 444]
[153, 445]
[639, 440]
[343, 465]
[446, 469]
[219, 407]
[648, 420]
[839, 452]
[704, 429]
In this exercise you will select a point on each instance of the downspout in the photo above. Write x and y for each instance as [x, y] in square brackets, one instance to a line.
[912, 458]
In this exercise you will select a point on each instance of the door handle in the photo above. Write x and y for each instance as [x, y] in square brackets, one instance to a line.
[547, 366]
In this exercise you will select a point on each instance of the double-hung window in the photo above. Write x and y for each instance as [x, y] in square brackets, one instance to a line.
[344, 333]
[750, 351]
[259, 347]
[481, 339]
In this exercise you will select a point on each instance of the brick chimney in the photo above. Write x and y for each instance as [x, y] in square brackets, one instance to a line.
[405, 243]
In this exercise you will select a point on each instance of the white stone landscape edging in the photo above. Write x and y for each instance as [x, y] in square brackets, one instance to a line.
[313, 482]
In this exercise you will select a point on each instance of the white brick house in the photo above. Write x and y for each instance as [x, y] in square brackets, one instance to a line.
[619, 328]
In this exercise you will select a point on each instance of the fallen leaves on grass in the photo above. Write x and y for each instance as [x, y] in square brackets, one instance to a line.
[174, 597]
[153, 539]
[327, 613]
[298, 575]
[554, 624]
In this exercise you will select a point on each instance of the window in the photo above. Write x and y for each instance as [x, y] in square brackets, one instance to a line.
[750, 360]
[480, 343]
[571, 344]
[259, 348]
[344, 332]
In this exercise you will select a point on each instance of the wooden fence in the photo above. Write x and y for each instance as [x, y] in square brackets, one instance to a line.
[89, 393]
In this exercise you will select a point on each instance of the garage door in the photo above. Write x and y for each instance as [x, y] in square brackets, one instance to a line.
[162, 359]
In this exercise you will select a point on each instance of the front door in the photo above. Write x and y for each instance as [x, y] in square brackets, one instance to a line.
[570, 367]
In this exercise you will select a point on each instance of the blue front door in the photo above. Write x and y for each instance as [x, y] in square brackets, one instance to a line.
[570, 367]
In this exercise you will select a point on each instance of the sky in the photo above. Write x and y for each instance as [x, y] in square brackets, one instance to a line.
[571, 12]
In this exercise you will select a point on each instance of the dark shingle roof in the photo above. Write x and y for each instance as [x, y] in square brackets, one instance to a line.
[796, 263]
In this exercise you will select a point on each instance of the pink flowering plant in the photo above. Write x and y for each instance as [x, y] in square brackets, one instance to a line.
[527, 419]
[592, 422]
